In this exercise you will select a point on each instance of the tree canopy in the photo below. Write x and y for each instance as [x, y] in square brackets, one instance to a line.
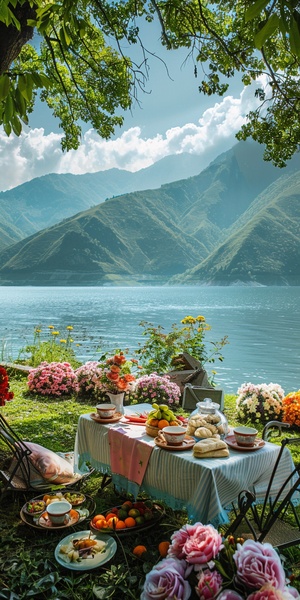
[70, 52]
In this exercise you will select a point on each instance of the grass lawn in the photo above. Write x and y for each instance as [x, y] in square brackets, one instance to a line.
[28, 566]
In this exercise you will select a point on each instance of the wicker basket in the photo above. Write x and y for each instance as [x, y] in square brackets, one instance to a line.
[152, 431]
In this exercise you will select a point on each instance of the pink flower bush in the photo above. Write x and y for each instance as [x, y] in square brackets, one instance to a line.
[167, 580]
[201, 565]
[197, 544]
[157, 388]
[89, 384]
[52, 379]
[260, 403]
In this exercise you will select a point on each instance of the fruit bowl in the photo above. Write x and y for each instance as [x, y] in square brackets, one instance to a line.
[152, 431]
[127, 518]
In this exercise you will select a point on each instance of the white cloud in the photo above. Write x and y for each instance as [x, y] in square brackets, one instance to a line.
[34, 153]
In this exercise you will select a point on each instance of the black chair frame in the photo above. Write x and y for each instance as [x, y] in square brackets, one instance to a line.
[16, 476]
[265, 520]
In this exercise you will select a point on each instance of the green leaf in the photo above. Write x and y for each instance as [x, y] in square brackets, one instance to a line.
[265, 33]
[16, 125]
[295, 37]
[9, 109]
[254, 10]
[7, 127]
[4, 86]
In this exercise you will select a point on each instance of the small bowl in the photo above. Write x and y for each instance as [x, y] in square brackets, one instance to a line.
[245, 436]
[106, 411]
[174, 435]
[75, 498]
[34, 507]
[58, 511]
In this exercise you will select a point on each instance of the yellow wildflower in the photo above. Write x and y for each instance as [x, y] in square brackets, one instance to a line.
[63, 341]
[69, 327]
[54, 332]
[50, 326]
[200, 318]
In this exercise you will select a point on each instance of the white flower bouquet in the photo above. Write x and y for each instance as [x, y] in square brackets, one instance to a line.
[260, 403]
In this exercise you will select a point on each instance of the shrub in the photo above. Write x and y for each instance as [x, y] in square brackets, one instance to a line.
[157, 388]
[52, 379]
[89, 384]
[160, 350]
[260, 403]
[291, 409]
[5, 394]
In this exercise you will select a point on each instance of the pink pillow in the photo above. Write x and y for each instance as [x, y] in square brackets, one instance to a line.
[52, 467]
[46, 467]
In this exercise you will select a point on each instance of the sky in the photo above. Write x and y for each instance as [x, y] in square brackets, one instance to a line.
[172, 117]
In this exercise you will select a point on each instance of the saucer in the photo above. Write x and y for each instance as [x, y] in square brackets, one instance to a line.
[114, 419]
[231, 441]
[44, 520]
[187, 443]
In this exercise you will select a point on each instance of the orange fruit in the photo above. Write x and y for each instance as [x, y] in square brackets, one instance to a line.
[162, 423]
[98, 517]
[109, 516]
[139, 550]
[130, 522]
[120, 525]
[153, 422]
[163, 548]
[127, 503]
[173, 423]
[112, 522]
[100, 524]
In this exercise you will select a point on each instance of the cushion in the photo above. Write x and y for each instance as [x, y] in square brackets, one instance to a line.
[51, 466]
[47, 466]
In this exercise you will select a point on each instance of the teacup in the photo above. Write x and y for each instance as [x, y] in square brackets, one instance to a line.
[106, 411]
[245, 436]
[58, 512]
[174, 435]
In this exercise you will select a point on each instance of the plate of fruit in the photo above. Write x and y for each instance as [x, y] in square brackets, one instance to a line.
[128, 517]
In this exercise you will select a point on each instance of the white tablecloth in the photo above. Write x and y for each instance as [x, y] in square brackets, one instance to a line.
[203, 487]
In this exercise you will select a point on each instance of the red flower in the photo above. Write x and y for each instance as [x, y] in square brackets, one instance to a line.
[5, 394]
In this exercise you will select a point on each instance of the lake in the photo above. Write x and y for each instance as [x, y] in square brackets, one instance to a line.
[262, 324]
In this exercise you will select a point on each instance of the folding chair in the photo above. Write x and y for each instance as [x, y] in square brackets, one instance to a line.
[271, 520]
[21, 473]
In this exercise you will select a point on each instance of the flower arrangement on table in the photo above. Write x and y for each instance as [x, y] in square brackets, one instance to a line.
[116, 376]
[291, 409]
[52, 379]
[157, 388]
[260, 403]
[5, 394]
[200, 565]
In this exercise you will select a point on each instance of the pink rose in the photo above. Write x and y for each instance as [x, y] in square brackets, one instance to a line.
[258, 564]
[209, 584]
[230, 595]
[167, 581]
[197, 544]
[268, 592]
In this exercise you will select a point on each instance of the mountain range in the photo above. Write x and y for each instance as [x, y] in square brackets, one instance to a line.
[236, 222]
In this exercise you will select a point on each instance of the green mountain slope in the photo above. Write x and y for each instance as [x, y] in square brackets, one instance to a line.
[47, 200]
[121, 237]
[237, 221]
[265, 250]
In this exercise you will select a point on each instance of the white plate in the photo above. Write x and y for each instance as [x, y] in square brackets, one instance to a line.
[87, 563]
